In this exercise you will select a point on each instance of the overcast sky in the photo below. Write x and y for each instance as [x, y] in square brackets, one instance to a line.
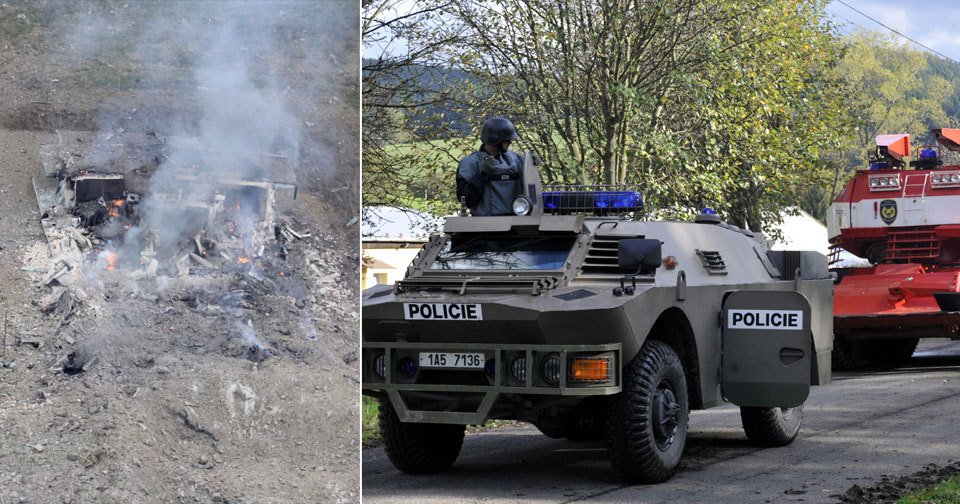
[933, 23]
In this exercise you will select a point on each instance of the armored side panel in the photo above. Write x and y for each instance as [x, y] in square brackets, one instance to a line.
[766, 348]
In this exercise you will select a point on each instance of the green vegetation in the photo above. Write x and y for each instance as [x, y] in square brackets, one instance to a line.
[746, 106]
[370, 427]
[947, 492]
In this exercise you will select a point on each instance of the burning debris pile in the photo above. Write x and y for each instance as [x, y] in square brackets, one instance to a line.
[183, 316]
[193, 319]
[159, 207]
[162, 219]
[183, 327]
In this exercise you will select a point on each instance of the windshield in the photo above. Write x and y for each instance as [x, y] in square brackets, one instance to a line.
[504, 253]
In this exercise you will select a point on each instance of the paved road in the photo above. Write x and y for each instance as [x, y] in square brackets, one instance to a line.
[860, 427]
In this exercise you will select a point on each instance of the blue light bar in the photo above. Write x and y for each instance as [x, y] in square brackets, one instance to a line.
[593, 201]
[928, 154]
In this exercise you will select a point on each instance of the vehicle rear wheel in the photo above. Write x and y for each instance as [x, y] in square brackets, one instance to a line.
[842, 357]
[418, 448]
[893, 352]
[876, 253]
[647, 424]
[771, 426]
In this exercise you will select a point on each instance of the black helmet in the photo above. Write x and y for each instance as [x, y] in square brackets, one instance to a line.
[497, 130]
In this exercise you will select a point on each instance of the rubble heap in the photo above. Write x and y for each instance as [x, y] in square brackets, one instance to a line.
[197, 215]
[220, 316]
[146, 216]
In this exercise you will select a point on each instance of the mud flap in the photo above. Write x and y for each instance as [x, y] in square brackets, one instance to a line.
[766, 348]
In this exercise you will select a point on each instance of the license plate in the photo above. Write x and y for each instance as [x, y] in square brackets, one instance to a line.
[451, 360]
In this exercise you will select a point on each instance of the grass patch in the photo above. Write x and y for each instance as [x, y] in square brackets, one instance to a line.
[370, 429]
[947, 492]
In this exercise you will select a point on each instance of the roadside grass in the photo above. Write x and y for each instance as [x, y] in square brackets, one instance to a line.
[370, 431]
[947, 492]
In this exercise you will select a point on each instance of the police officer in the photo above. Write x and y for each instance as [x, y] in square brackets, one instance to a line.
[489, 179]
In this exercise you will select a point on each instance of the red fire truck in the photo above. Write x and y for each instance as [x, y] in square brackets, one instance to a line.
[903, 215]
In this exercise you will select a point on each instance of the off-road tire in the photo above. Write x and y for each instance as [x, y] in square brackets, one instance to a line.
[890, 353]
[842, 355]
[771, 426]
[418, 448]
[654, 392]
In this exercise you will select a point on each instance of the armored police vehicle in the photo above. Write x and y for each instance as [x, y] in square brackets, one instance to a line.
[575, 317]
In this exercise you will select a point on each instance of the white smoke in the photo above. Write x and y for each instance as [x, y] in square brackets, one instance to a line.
[239, 75]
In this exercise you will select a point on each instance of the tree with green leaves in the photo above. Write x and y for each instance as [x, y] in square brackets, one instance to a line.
[701, 102]
[766, 112]
[403, 79]
[735, 105]
[892, 97]
[585, 78]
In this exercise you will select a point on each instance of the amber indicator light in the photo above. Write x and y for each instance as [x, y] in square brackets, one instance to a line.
[590, 369]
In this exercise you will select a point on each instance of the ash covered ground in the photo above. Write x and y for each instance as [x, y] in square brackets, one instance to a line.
[155, 376]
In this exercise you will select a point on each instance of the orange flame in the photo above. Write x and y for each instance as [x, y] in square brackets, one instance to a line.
[243, 260]
[113, 208]
[111, 260]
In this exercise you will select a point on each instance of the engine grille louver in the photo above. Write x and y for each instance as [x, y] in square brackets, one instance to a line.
[601, 256]
[712, 262]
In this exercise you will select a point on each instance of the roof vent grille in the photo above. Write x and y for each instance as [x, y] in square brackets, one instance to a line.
[712, 262]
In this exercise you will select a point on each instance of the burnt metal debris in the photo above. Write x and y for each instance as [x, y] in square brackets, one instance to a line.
[165, 214]
[170, 200]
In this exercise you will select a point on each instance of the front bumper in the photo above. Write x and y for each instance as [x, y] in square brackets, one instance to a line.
[467, 396]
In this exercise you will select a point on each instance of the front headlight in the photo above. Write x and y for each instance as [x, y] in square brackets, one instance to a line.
[550, 369]
[521, 205]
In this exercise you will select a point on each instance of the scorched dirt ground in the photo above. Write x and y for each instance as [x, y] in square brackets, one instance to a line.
[164, 400]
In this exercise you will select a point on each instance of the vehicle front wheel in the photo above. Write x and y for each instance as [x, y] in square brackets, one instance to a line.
[647, 424]
[771, 426]
[418, 448]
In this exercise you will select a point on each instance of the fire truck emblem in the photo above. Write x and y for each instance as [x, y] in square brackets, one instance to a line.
[888, 211]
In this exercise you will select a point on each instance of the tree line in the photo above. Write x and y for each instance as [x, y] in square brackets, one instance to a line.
[746, 106]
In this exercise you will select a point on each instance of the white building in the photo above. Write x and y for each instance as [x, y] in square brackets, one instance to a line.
[390, 238]
[804, 232]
